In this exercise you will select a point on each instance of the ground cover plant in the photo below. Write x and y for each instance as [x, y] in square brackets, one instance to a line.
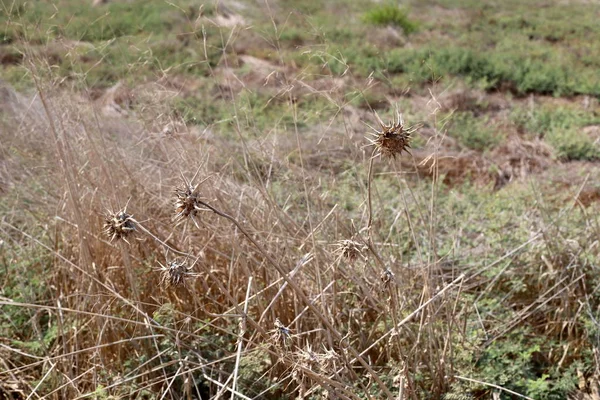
[299, 199]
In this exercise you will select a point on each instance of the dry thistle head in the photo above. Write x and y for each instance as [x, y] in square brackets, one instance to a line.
[350, 250]
[119, 225]
[387, 277]
[323, 362]
[393, 139]
[281, 333]
[186, 204]
[174, 274]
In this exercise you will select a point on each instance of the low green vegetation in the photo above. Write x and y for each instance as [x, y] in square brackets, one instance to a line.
[473, 132]
[391, 14]
[563, 128]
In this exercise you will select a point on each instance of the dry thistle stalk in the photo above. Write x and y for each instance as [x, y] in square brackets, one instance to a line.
[174, 273]
[119, 225]
[350, 250]
[392, 139]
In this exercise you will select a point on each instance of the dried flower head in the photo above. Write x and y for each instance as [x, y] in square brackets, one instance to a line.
[119, 225]
[387, 277]
[350, 250]
[323, 362]
[174, 273]
[281, 333]
[392, 139]
[186, 203]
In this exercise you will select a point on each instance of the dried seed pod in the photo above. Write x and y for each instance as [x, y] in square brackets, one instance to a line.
[174, 274]
[186, 203]
[387, 277]
[350, 250]
[282, 334]
[119, 225]
[393, 139]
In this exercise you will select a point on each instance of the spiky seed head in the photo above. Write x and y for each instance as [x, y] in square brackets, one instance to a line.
[350, 250]
[119, 225]
[387, 277]
[174, 274]
[392, 139]
[281, 333]
[186, 203]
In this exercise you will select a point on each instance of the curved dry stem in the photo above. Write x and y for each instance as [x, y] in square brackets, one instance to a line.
[370, 242]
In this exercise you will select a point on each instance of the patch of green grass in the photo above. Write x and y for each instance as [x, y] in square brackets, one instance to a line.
[562, 128]
[76, 20]
[473, 132]
[542, 119]
[391, 14]
[99, 46]
[489, 70]
[573, 144]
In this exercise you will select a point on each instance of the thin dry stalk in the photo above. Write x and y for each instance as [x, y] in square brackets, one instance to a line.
[240, 340]
[494, 386]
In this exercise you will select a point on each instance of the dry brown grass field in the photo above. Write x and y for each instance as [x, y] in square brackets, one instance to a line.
[299, 200]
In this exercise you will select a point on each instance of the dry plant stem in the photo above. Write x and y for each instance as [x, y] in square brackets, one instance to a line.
[395, 311]
[281, 289]
[93, 348]
[300, 293]
[307, 201]
[494, 386]
[224, 387]
[370, 242]
[146, 231]
[96, 152]
[286, 221]
[412, 314]
[240, 340]
[129, 270]
[408, 218]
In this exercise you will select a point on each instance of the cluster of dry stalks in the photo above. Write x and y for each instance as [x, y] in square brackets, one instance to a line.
[250, 291]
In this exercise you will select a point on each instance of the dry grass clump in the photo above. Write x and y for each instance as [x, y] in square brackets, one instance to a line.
[244, 234]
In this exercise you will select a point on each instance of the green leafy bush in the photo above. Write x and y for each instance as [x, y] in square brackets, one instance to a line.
[562, 128]
[473, 132]
[390, 15]
[573, 144]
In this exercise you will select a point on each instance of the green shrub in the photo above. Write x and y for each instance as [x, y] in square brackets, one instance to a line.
[561, 128]
[541, 120]
[390, 15]
[573, 144]
[490, 71]
[472, 132]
